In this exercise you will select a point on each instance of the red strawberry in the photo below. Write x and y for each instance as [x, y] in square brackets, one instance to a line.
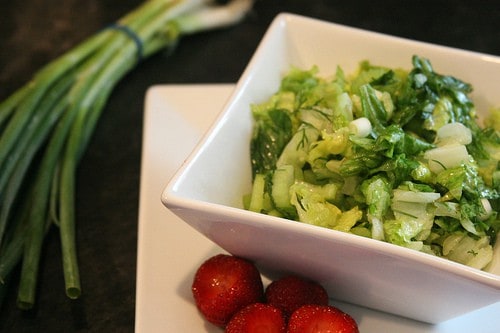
[321, 319]
[257, 318]
[291, 292]
[224, 284]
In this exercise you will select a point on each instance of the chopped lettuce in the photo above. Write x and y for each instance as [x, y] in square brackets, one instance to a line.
[392, 154]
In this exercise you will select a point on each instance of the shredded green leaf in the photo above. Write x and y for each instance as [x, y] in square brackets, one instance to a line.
[374, 154]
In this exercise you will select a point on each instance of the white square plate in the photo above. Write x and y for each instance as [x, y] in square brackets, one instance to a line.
[169, 250]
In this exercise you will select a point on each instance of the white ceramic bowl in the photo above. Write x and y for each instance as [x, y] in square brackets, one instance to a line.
[207, 191]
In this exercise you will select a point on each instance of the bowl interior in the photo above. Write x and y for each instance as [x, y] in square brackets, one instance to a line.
[219, 171]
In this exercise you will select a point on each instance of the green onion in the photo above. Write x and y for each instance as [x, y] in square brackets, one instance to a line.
[46, 125]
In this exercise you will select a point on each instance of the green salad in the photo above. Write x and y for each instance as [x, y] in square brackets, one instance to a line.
[391, 154]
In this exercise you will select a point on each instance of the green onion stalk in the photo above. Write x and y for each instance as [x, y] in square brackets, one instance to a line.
[46, 125]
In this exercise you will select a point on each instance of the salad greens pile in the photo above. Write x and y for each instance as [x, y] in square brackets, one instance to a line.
[391, 154]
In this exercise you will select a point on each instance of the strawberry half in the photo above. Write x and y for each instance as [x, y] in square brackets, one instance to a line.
[321, 319]
[257, 318]
[223, 285]
[291, 292]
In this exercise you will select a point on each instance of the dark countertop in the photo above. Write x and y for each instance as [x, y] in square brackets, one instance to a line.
[32, 32]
